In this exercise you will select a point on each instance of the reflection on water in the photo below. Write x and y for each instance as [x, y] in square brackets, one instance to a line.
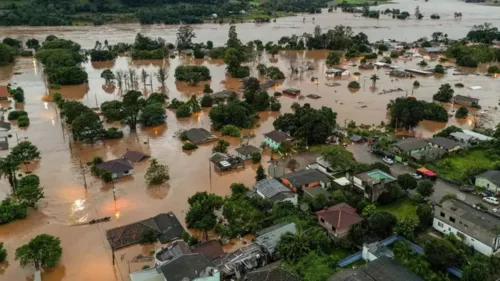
[67, 202]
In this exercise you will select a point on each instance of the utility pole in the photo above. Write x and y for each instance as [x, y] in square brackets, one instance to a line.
[82, 170]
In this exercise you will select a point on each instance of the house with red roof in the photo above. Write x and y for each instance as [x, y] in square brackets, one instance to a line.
[338, 219]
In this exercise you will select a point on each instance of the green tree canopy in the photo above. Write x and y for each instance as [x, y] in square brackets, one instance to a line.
[43, 251]
[382, 224]
[425, 188]
[157, 173]
[201, 213]
[260, 174]
[441, 253]
[407, 181]
[152, 115]
[339, 158]
[25, 151]
[444, 94]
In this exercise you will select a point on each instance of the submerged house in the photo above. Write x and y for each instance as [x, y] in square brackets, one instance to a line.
[245, 152]
[118, 167]
[225, 162]
[306, 179]
[275, 138]
[4, 93]
[199, 136]
[465, 100]
[275, 191]
[269, 238]
[134, 156]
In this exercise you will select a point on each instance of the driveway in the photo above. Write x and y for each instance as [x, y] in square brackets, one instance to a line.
[362, 154]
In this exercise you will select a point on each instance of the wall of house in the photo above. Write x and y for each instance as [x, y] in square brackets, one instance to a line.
[336, 233]
[483, 182]
[271, 143]
[294, 200]
[456, 148]
[119, 175]
[445, 228]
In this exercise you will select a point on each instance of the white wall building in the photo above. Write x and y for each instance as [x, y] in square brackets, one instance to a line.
[474, 227]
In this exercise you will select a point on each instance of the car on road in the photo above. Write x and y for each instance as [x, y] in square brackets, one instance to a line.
[416, 176]
[491, 200]
[388, 160]
[467, 189]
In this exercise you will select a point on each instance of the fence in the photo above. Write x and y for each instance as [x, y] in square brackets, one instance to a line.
[388, 241]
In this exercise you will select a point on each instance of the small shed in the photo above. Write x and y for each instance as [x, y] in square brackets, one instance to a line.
[4, 93]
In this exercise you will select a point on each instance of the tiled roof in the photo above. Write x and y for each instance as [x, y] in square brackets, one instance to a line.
[116, 166]
[277, 136]
[340, 216]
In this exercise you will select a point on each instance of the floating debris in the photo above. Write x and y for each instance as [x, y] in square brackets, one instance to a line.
[332, 84]
[390, 91]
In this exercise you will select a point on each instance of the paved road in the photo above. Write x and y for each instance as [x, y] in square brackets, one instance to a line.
[362, 154]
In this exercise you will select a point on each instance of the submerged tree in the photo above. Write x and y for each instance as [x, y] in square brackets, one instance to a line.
[8, 167]
[108, 76]
[161, 76]
[119, 78]
[201, 214]
[157, 173]
[25, 152]
[44, 251]
[261, 174]
[374, 79]
[144, 77]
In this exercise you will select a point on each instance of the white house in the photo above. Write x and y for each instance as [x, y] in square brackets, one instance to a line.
[475, 228]
[489, 180]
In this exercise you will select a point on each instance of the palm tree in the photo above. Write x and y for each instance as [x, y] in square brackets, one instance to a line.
[8, 168]
[374, 79]
[293, 246]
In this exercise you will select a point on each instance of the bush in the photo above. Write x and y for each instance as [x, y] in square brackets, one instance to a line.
[206, 101]
[275, 106]
[353, 85]
[416, 84]
[241, 72]
[443, 60]
[114, 133]
[394, 55]
[23, 121]
[3, 253]
[493, 69]
[207, 89]
[183, 111]
[467, 61]
[333, 59]
[462, 112]
[106, 176]
[231, 130]
[275, 73]
[15, 114]
[357, 73]
[439, 69]
[256, 157]
[184, 72]
[189, 146]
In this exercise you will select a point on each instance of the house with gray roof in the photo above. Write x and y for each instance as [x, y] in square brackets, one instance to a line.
[489, 180]
[465, 100]
[381, 269]
[275, 191]
[410, 146]
[222, 95]
[192, 267]
[199, 136]
[474, 227]
[118, 167]
[446, 144]
[245, 151]
[316, 191]
[304, 179]
[269, 238]
[134, 156]
[463, 138]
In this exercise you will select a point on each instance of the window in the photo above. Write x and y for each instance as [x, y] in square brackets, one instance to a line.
[466, 225]
[442, 214]
[452, 219]
[333, 228]
[322, 220]
[440, 224]
[306, 185]
[461, 235]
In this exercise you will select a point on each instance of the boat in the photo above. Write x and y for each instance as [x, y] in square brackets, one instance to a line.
[100, 220]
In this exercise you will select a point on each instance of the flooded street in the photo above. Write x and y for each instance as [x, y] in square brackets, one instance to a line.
[86, 253]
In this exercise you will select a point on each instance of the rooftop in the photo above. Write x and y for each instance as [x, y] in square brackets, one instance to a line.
[269, 237]
[249, 256]
[356, 138]
[315, 191]
[410, 144]
[167, 226]
[343, 181]
[381, 269]
[247, 149]
[222, 94]
[5, 126]
[444, 142]
[485, 220]
[492, 175]
[278, 136]
[307, 176]
[116, 166]
[477, 135]
[340, 216]
[375, 176]
[134, 156]
[270, 187]
[4, 92]
[465, 99]
[211, 249]
[190, 266]
[199, 135]
[271, 272]
[171, 252]
[433, 49]
[461, 136]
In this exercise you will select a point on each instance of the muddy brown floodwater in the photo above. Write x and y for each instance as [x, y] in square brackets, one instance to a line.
[87, 255]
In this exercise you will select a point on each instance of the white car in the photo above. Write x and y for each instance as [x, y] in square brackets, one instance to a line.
[416, 176]
[491, 200]
[388, 160]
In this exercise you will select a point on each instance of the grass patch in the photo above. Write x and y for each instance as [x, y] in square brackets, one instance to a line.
[455, 166]
[340, 253]
[401, 209]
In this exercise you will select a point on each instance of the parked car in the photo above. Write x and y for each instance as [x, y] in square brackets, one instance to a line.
[467, 189]
[491, 200]
[480, 207]
[388, 160]
[486, 193]
[416, 176]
